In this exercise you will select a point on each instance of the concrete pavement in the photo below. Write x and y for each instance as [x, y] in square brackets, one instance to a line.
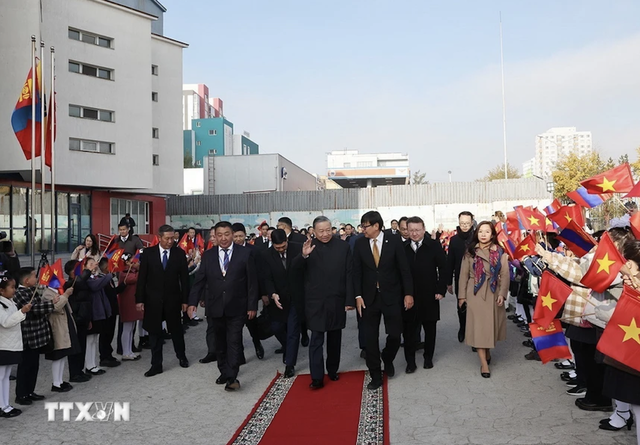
[523, 402]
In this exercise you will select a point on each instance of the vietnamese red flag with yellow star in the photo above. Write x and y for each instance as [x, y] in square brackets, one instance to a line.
[531, 219]
[185, 243]
[616, 180]
[634, 222]
[526, 248]
[621, 338]
[566, 214]
[551, 296]
[507, 243]
[605, 266]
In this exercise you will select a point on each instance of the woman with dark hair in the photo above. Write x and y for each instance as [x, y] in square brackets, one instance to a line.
[90, 248]
[483, 287]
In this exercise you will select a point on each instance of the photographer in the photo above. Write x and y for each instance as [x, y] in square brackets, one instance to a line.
[9, 260]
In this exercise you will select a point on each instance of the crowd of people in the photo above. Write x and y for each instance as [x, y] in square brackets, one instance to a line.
[306, 280]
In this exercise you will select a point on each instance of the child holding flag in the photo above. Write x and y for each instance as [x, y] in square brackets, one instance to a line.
[10, 340]
[81, 307]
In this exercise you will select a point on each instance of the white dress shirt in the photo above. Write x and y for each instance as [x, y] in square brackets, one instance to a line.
[415, 244]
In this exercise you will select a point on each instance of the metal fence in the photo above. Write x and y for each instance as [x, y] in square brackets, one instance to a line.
[364, 198]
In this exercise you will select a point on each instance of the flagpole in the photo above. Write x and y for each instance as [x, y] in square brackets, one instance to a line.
[32, 208]
[43, 138]
[52, 102]
[504, 106]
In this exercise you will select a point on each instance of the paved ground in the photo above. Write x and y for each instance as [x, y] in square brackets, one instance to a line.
[522, 403]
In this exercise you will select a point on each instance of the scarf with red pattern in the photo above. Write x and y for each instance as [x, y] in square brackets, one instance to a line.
[495, 253]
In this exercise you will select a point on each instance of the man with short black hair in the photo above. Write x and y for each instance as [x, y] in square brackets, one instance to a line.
[262, 242]
[286, 224]
[128, 221]
[130, 243]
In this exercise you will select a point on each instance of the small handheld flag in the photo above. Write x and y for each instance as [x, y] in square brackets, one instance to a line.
[605, 266]
[549, 341]
[551, 296]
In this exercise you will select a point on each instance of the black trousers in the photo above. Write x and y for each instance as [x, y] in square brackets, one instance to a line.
[156, 341]
[76, 361]
[371, 316]
[211, 336]
[27, 374]
[413, 323]
[462, 319]
[252, 327]
[316, 357]
[288, 334]
[589, 372]
[228, 342]
[361, 337]
[106, 338]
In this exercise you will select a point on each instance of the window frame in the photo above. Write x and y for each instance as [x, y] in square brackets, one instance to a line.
[96, 39]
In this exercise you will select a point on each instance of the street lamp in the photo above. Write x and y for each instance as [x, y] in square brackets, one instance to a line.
[449, 175]
[551, 186]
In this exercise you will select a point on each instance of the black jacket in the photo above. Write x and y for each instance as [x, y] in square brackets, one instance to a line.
[287, 283]
[81, 301]
[457, 248]
[428, 266]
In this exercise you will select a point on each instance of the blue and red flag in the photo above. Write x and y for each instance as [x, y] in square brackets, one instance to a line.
[553, 207]
[582, 197]
[79, 267]
[50, 117]
[550, 341]
[576, 239]
[507, 244]
[52, 276]
[111, 246]
[21, 118]
[136, 257]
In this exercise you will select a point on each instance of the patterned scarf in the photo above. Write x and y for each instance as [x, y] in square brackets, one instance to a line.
[495, 253]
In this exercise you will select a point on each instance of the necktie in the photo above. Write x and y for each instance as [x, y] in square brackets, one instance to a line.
[225, 261]
[284, 260]
[417, 246]
[376, 252]
[165, 259]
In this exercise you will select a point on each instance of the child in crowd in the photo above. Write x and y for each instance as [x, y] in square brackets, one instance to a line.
[100, 311]
[129, 315]
[10, 340]
[80, 304]
[36, 335]
[111, 290]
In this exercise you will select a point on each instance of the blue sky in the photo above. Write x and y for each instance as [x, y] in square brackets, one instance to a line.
[421, 77]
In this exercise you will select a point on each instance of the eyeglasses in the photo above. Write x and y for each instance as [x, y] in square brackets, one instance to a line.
[364, 226]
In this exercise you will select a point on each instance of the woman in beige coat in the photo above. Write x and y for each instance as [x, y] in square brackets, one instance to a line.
[484, 283]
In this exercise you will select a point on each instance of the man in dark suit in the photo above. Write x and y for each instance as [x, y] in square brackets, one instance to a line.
[161, 292]
[262, 242]
[427, 262]
[383, 287]
[227, 276]
[286, 224]
[328, 294]
[284, 292]
[394, 230]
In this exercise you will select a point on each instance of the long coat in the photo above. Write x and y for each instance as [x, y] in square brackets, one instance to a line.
[127, 298]
[427, 266]
[287, 283]
[163, 291]
[486, 321]
[328, 285]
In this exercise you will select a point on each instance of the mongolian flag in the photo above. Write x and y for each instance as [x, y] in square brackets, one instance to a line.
[634, 222]
[111, 246]
[531, 219]
[566, 214]
[605, 266]
[526, 248]
[116, 263]
[51, 128]
[582, 197]
[553, 207]
[21, 122]
[576, 239]
[616, 180]
[49, 278]
[58, 271]
[136, 257]
[621, 338]
[551, 296]
[507, 244]
[185, 243]
[549, 341]
[77, 270]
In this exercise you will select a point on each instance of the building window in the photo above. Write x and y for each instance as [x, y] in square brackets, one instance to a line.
[156, 159]
[213, 152]
[212, 132]
[154, 96]
[155, 133]
[91, 113]
[198, 143]
[154, 70]
[139, 211]
[91, 146]
[90, 70]
[198, 124]
[87, 37]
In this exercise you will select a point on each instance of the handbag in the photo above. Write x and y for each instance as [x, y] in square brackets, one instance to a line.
[263, 325]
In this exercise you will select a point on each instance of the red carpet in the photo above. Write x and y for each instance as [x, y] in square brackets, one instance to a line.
[343, 412]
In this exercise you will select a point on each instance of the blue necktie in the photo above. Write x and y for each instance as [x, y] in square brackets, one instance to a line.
[225, 261]
[165, 259]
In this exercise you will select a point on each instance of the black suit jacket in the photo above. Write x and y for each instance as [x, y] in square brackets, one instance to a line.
[260, 244]
[163, 291]
[230, 295]
[287, 283]
[428, 266]
[297, 238]
[392, 274]
[390, 232]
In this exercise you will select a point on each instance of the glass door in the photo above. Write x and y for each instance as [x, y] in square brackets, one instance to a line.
[75, 227]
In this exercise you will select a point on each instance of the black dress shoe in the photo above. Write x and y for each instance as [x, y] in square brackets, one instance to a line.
[66, 385]
[259, 349]
[460, 335]
[304, 341]
[134, 348]
[13, 413]
[184, 363]
[35, 397]
[561, 365]
[527, 334]
[24, 400]
[279, 351]
[221, 380]
[363, 354]
[166, 335]
[61, 388]
[154, 370]
[532, 355]
[193, 323]
[428, 364]
[316, 384]
[590, 406]
[411, 368]
[606, 423]
[374, 384]
[334, 377]
[208, 358]
[485, 375]
[80, 378]
[289, 372]
[528, 343]
[474, 349]
[232, 385]
[389, 369]
[511, 317]
[110, 362]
